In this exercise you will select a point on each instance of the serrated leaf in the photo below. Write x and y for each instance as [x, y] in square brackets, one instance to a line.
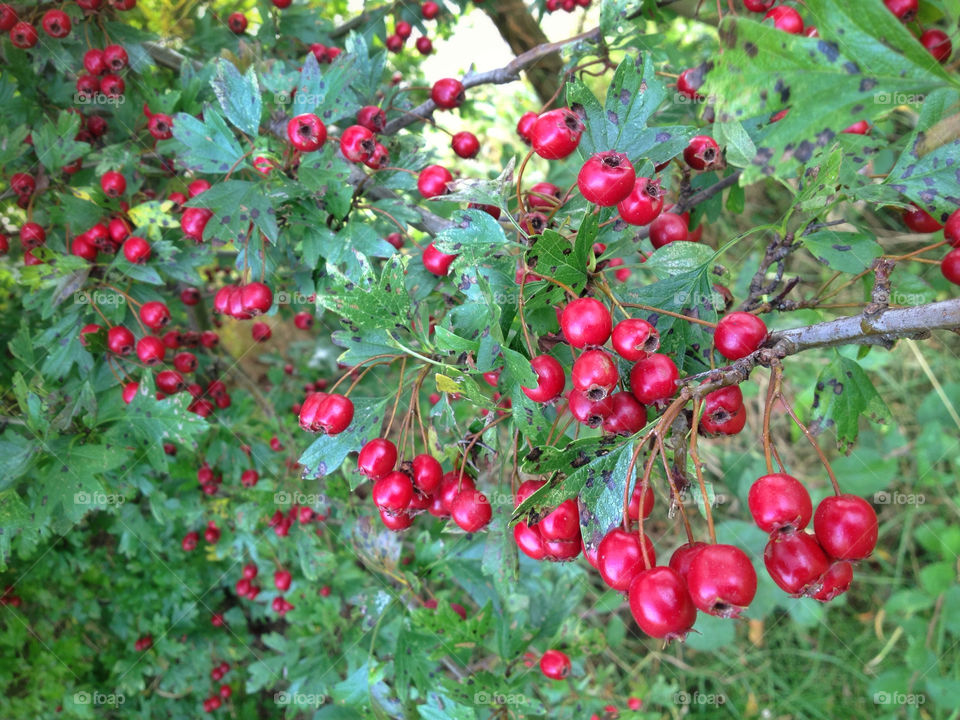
[239, 96]
[553, 256]
[235, 205]
[844, 393]
[153, 218]
[678, 257]
[849, 252]
[327, 94]
[327, 453]
[54, 142]
[205, 146]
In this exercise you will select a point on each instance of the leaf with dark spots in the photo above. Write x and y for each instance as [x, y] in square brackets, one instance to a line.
[612, 117]
[829, 49]
[750, 49]
[843, 394]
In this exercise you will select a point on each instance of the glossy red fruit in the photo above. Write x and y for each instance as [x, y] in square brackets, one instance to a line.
[185, 362]
[589, 412]
[334, 414]
[683, 556]
[136, 250]
[115, 58]
[8, 17]
[112, 85]
[155, 315]
[377, 458]
[303, 320]
[525, 126]
[739, 334]
[451, 485]
[256, 298]
[689, 82]
[529, 541]
[920, 221]
[170, 382]
[950, 266]
[447, 93]
[585, 321]
[429, 10]
[81, 247]
[627, 416]
[556, 133]
[544, 195]
[120, 340]
[193, 222]
[32, 235]
[835, 581]
[654, 379]
[555, 664]
[795, 562]
[249, 478]
[465, 145]
[394, 43]
[758, 5]
[372, 118]
[282, 579]
[160, 126]
[644, 202]
[785, 18]
[721, 580]
[357, 143]
[606, 178]
[56, 23]
[703, 153]
[424, 45]
[634, 339]
[190, 540]
[550, 379]
[595, 374]
[951, 229]
[620, 558]
[641, 499]
[393, 492]
[237, 22]
[306, 132]
[260, 332]
[151, 350]
[23, 35]
[938, 44]
[23, 183]
[661, 605]
[436, 262]
[427, 473]
[846, 527]
[779, 502]
[130, 391]
[432, 181]
[403, 29]
[905, 10]
[723, 412]
[562, 523]
[861, 127]
[667, 228]
[471, 510]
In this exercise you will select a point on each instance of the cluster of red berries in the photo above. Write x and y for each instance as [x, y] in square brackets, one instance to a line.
[327, 413]
[8, 597]
[103, 68]
[243, 302]
[282, 522]
[215, 701]
[402, 31]
[144, 642]
[211, 534]
[920, 221]
[566, 5]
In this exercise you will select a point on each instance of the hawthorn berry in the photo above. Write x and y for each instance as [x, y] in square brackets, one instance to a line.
[525, 126]
[154, 314]
[595, 374]
[8, 17]
[306, 132]
[544, 195]
[723, 412]
[424, 45]
[437, 262]
[589, 412]
[620, 558]
[919, 220]
[905, 10]
[550, 379]
[667, 228]
[334, 414]
[643, 204]
[721, 580]
[151, 350]
[634, 339]
[32, 235]
[758, 6]
[795, 562]
[56, 23]
[703, 153]
[394, 43]
[556, 134]
[785, 18]
[194, 221]
[950, 266]
[260, 332]
[654, 379]
[23, 183]
[432, 181]
[115, 58]
[465, 145]
[23, 35]
[937, 43]
[429, 10]
[357, 143]
[282, 579]
[447, 93]
[606, 178]
[160, 126]
[130, 392]
[689, 81]
[372, 118]
[660, 603]
[377, 458]
[846, 527]
[626, 417]
[471, 510]
[427, 473]
[112, 85]
[170, 382]
[555, 664]
[585, 321]
[303, 320]
[403, 29]
[237, 22]
[779, 502]
[120, 340]
[739, 334]
[393, 492]
[951, 229]
[835, 581]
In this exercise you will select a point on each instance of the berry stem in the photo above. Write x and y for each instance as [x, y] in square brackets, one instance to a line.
[707, 323]
[396, 400]
[523, 165]
[813, 441]
[359, 364]
[523, 321]
[696, 466]
[673, 489]
[773, 390]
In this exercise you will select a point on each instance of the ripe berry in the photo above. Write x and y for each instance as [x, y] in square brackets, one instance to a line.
[641, 499]
[643, 204]
[779, 502]
[112, 85]
[193, 222]
[154, 314]
[951, 229]
[32, 235]
[190, 540]
[950, 266]
[185, 362]
[529, 541]
[136, 250]
[130, 391]
[721, 580]
[432, 181]
[606, 178]
[795, 562]
[861, 127]
[306, 132]
[465, 145]
[937, 43]
[403, 29]
[589, 412]
[905, 10]
[426, 473]
[237, 22]
[151, 350]
[689, 82]
[556, 134]
[620, 558]
[667, 228]
[634, 339]
[585, 321]
[372, 118]
[429, 10]
[424, 46]
[281, 579]
[562, 523]
[785, 18]
[56, 23]
[120, 340]
[471, 510]
[595, 374]
[525, 126]
[654, 379]
[550, 379]
[357, 143]
[23, 183]
[260, 332]
[334, 414]
[739, 334]
[8, 17]
[377, 458]
[919, 220]
[161, 126]
[555, 665]
[703, 153]
[447, 93]
[835, 581]
[249, 478]
[170, 382]
[256, 298]
[544, 195]
[846, 527]
[661, 605]
[23, 35]
[627, 415]
[723, 412]
[436, 262]
[394, 43]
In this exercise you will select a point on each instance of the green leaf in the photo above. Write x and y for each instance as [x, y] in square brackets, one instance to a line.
[849, 252]
[739, 149]
[843, 394]
[327, 453]
[368, 303]
[679, 257]
[206, 146]
[327, 94]
[474, 233]
[239, 96]
[553, 256]
[235, 205]
[54, 142]
[601, 499]
[328, 175]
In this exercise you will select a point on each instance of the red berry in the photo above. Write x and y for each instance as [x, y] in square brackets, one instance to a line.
[703, 153]
[237, 22]
[249, 478]
[430, 10]
[334, 414]
[154, 315]
[937, 43]
[667, 228]
[758, 5]
[683, 556]
[556, 134]
[951, 229]
[722, 580]
[846, 527]
[190, 540]
[23, 35]
[471, 510]
[32, 235]
[112, 85]
[606, 178]
[130, 391]
[306, 132]
[919, 220]
[281, 579]
[555, 665]
[436, 262]
[303, 320]
[525, 126]
[643, 204]
[136, 250]
[357, 143]
[424, 46]
[739, 334]
[640, 499]
[161, 128]
[260, 332]
[23, 183]
[589, 412]
[529, 541]
[403, 29]
[905, 10]
[427, 473]
[779, 502]
[250, 571]
[626, 417]
[170, 382]
[377, 458]
[620, 558]
[550, 379]
[723, 412]
[115, 58]
[785, 18]
[653, 379]
[950, 266]
[544, 195]
[465, 145]
[689, 82]
[120, 340]
[661, 605]
[860, 127]
[634, 339]
[8, 17]
[585, 321]
[372, 118]
[151, 350]
[447, 93]
[193, 222]
[256, 298]
[595, 374]
[835, 581]
[56, 23]
[432, 181]
[795, 562]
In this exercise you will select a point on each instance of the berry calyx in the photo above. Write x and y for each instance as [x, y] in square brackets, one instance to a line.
[606, 178]
[703, 153]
